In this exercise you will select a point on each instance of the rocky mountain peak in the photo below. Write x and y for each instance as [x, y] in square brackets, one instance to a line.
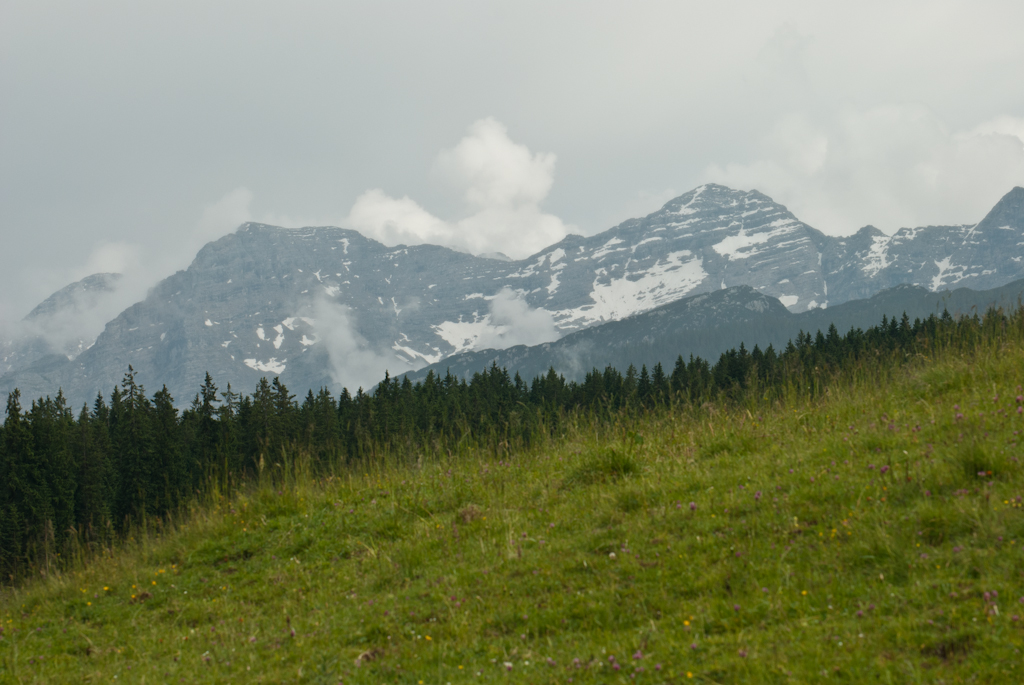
[63, 325]
[712, 198]
[76, 295]
[1008, 212]
[869, 231]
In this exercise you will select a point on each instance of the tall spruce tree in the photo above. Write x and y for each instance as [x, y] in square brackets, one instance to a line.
[170, 478]
[92, 496]
[132, 438]
[27, 486]
[52, 426]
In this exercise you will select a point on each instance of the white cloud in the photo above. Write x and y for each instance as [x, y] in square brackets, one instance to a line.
[514, 322]
[116, 257]
[220, 218]
[891, 166]
[492, 171]
[353, 362]
[393, 221]
[1001, 126]
[502, 184]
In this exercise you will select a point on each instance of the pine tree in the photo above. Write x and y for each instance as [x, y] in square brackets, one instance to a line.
[261, 421]
[203, 434]
[659, 384]
[629, 384]
[169, 477]
[52, 425]
[227, 421]
[11, 526]
[27, 486]
[92, 495]
[132, 438]
[680, 379]
[643, 386]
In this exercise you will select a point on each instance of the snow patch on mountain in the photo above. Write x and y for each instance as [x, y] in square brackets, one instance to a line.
[668, 279]
[644, 242]
[607, 248]
[876, 259]
[463, 335]
[743, 244]
[270, 366]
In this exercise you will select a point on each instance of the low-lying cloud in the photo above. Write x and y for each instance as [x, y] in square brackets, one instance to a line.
[890, 166]
[66, 325]
[502, 185]
[514, 322]
[73, 327]
[353, 363]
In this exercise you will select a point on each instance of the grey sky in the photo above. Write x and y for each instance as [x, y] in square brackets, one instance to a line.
[131, 133]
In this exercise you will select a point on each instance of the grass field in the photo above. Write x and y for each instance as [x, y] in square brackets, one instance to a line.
[872, 535]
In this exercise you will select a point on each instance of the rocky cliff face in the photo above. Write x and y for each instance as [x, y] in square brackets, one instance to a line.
[326, 306]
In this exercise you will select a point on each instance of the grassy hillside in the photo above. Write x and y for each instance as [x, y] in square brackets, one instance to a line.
[873, 535]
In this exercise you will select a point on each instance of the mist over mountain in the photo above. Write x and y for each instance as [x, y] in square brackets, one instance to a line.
[62, 326]
[709, 324]
[325, 306]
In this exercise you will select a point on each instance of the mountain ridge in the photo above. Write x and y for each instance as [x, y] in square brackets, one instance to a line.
[709, 324]
[329, 306]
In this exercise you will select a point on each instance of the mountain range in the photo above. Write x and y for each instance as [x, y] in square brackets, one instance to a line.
[328, 306]
[708, 324]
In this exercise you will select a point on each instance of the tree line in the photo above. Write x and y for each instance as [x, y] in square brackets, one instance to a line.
[69, 479]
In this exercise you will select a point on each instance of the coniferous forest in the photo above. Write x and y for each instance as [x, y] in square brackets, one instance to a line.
[74, 478]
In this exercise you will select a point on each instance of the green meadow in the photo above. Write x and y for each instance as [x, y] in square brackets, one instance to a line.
[872, 531]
